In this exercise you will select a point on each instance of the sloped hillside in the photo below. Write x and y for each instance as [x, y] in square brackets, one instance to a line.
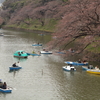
[33, 14]
[79, 29]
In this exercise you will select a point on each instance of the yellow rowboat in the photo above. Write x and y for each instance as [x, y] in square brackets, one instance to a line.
[94, 71]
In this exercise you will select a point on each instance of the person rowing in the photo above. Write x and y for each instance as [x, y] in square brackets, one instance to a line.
[3, 85]
[14, 65]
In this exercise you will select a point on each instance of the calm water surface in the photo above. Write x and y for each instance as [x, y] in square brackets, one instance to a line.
[42, 78]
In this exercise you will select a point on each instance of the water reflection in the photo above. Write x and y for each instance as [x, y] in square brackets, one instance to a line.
[3, 95]
[91, 75]
[14, 72]
[20, 59]
[42, 77]
[68, 74]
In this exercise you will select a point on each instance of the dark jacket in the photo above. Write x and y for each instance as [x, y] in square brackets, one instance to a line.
[4, 86]
[14, 65]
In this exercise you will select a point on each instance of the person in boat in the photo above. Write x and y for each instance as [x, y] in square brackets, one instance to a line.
[90, 67]
[71, 50]
[4, 85]
[14, 65]
[43, 49]
[33, 52]
[1, 83]
[79, 61]
[70, 65]
[96, 68]
[84, 61]
[18, 64]
[39, 52]
[19, 54]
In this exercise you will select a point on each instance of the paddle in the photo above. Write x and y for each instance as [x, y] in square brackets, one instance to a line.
[12, 88]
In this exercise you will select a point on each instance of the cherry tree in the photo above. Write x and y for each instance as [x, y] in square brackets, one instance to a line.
[82, 18]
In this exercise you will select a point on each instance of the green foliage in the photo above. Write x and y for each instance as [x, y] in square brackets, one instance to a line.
[36, 25]
[17, 4]
[49, 26]
[93, 48]
[64, 0]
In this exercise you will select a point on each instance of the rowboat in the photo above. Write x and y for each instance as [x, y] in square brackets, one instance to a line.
[46, 52]
[41, 34]
[61, 52]
[36, 44]
[15, 68]
[8, 90]
[33, 54]
[20, 54]
[87, 67]
[69, 68]
[94, 71]
[76, 63]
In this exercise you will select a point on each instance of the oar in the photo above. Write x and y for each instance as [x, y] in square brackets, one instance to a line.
[12, 88]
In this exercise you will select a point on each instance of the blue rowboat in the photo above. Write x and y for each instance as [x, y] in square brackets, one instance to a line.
[8, 90]
[87, 67]
[76, 63]
[41, 34]
[36, 44]
[20, 54]
[33, 54]
[15, 68]
[61, 52]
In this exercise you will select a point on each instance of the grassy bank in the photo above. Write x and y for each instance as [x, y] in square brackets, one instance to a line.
[47, 25]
